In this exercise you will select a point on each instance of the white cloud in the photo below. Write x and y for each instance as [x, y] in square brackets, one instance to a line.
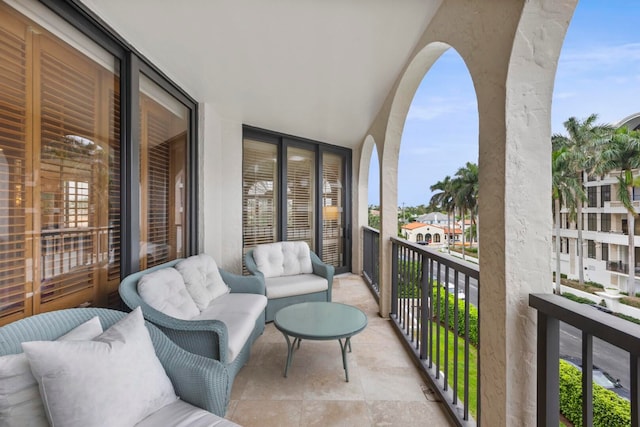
[599, 57]
[433, 108]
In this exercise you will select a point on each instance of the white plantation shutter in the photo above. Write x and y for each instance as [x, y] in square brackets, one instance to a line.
[332, 209]
[301, 190]
[259, 193]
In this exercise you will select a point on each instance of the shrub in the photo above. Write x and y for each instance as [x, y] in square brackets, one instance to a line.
[449, 306]
[576, 298]
[609, 409]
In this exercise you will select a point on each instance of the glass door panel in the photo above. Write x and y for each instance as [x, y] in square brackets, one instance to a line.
[332, 209]
[301, 195]
[163, 145]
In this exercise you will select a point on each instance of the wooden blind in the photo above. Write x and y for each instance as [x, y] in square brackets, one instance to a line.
[332, 205]
[113, 241]
[69, 161]
[259, 193]
[14, 249]
[301, 187]
[55, 116]
[162, 165]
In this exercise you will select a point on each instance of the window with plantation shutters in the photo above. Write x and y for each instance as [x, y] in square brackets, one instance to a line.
[294, 189]
[15, 283]
[332, 209]
[301, 191]
[162, 176]
[56, 128]
[259, 193]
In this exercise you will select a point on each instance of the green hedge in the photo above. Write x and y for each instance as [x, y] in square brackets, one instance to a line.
[576, 298]
[609, 409]
[450, 307]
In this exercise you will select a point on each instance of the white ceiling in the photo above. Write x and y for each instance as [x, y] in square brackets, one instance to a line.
[315, 69]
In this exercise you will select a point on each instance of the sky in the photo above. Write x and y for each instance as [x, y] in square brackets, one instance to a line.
[598, 72]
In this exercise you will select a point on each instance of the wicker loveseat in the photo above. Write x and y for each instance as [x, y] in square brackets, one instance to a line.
[224, 331]
[291, 272]
[200, 383]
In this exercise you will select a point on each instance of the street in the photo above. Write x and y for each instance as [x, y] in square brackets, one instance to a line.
[607, 357]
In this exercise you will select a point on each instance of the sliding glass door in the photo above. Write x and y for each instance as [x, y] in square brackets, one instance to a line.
[312, 203]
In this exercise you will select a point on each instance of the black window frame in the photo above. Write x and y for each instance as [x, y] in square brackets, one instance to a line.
[132, 63]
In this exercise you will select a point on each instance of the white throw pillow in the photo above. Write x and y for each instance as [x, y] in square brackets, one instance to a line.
[202, 278]
[269, 259]
[20, 402]
[165, 291]
[115, 380]
[283, 259]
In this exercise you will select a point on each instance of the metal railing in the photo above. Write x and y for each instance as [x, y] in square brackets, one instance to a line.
[370, 261]
[553, 309]
[434, 305]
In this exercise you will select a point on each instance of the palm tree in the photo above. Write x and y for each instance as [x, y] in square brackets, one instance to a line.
[466, 195]
[622, 151]
[565, 187]
[444, 200]
[581, 145]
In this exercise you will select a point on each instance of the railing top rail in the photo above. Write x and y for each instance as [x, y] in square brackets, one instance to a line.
[366, 227]
[465, 267]
[609, 328]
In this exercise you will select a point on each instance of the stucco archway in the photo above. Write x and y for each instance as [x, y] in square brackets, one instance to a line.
[511, 52]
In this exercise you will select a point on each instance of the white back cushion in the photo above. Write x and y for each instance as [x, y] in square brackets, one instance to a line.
[114, 380]
[165, 291]
[202, 278]
[20, 402]
[283, 259]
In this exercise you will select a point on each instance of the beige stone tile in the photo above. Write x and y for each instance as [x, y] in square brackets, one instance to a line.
[332, 385]
[268, 413]
[381, 354]
[335, 414]
[231, 408]
[270, 384]
[402, 414]
[384, 383]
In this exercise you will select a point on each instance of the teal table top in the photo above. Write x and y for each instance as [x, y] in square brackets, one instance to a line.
[320, 320]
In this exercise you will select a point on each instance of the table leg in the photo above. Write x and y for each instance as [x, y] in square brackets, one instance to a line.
[289, 353]
[343, 348]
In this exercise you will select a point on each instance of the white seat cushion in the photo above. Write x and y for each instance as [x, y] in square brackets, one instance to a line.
[283, 259]
[202, 279]
[114, 380]
[165, 291]
[183, 414]
[301, 284]
[20, 401]
[239, 312]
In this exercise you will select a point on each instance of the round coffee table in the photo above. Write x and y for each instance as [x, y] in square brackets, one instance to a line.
[320, 321]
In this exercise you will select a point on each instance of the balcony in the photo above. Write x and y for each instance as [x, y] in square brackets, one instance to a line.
[385, 387]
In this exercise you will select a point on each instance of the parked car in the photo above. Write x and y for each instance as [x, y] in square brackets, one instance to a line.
[600, 377]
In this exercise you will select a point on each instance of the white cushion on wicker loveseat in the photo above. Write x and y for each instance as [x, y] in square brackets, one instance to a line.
[165, 291]
[20, 401]
[283, 259]
[114, 380]
[202, 279]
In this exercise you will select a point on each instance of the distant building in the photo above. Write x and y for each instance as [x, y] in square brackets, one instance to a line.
[435, 218]
[429, 234]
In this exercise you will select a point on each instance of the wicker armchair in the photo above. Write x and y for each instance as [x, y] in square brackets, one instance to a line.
[197, 380]
[320, 269]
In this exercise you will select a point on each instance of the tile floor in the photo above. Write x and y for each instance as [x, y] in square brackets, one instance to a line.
[385, 388]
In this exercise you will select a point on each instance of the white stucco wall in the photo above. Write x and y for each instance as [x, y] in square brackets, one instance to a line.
[511, 50]
[220, 190]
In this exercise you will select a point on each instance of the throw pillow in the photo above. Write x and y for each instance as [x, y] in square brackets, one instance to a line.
[202, 279]
[20, 402]
[115, 380]
[165, 291]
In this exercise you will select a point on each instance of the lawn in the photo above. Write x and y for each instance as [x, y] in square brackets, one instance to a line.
[473, 367]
